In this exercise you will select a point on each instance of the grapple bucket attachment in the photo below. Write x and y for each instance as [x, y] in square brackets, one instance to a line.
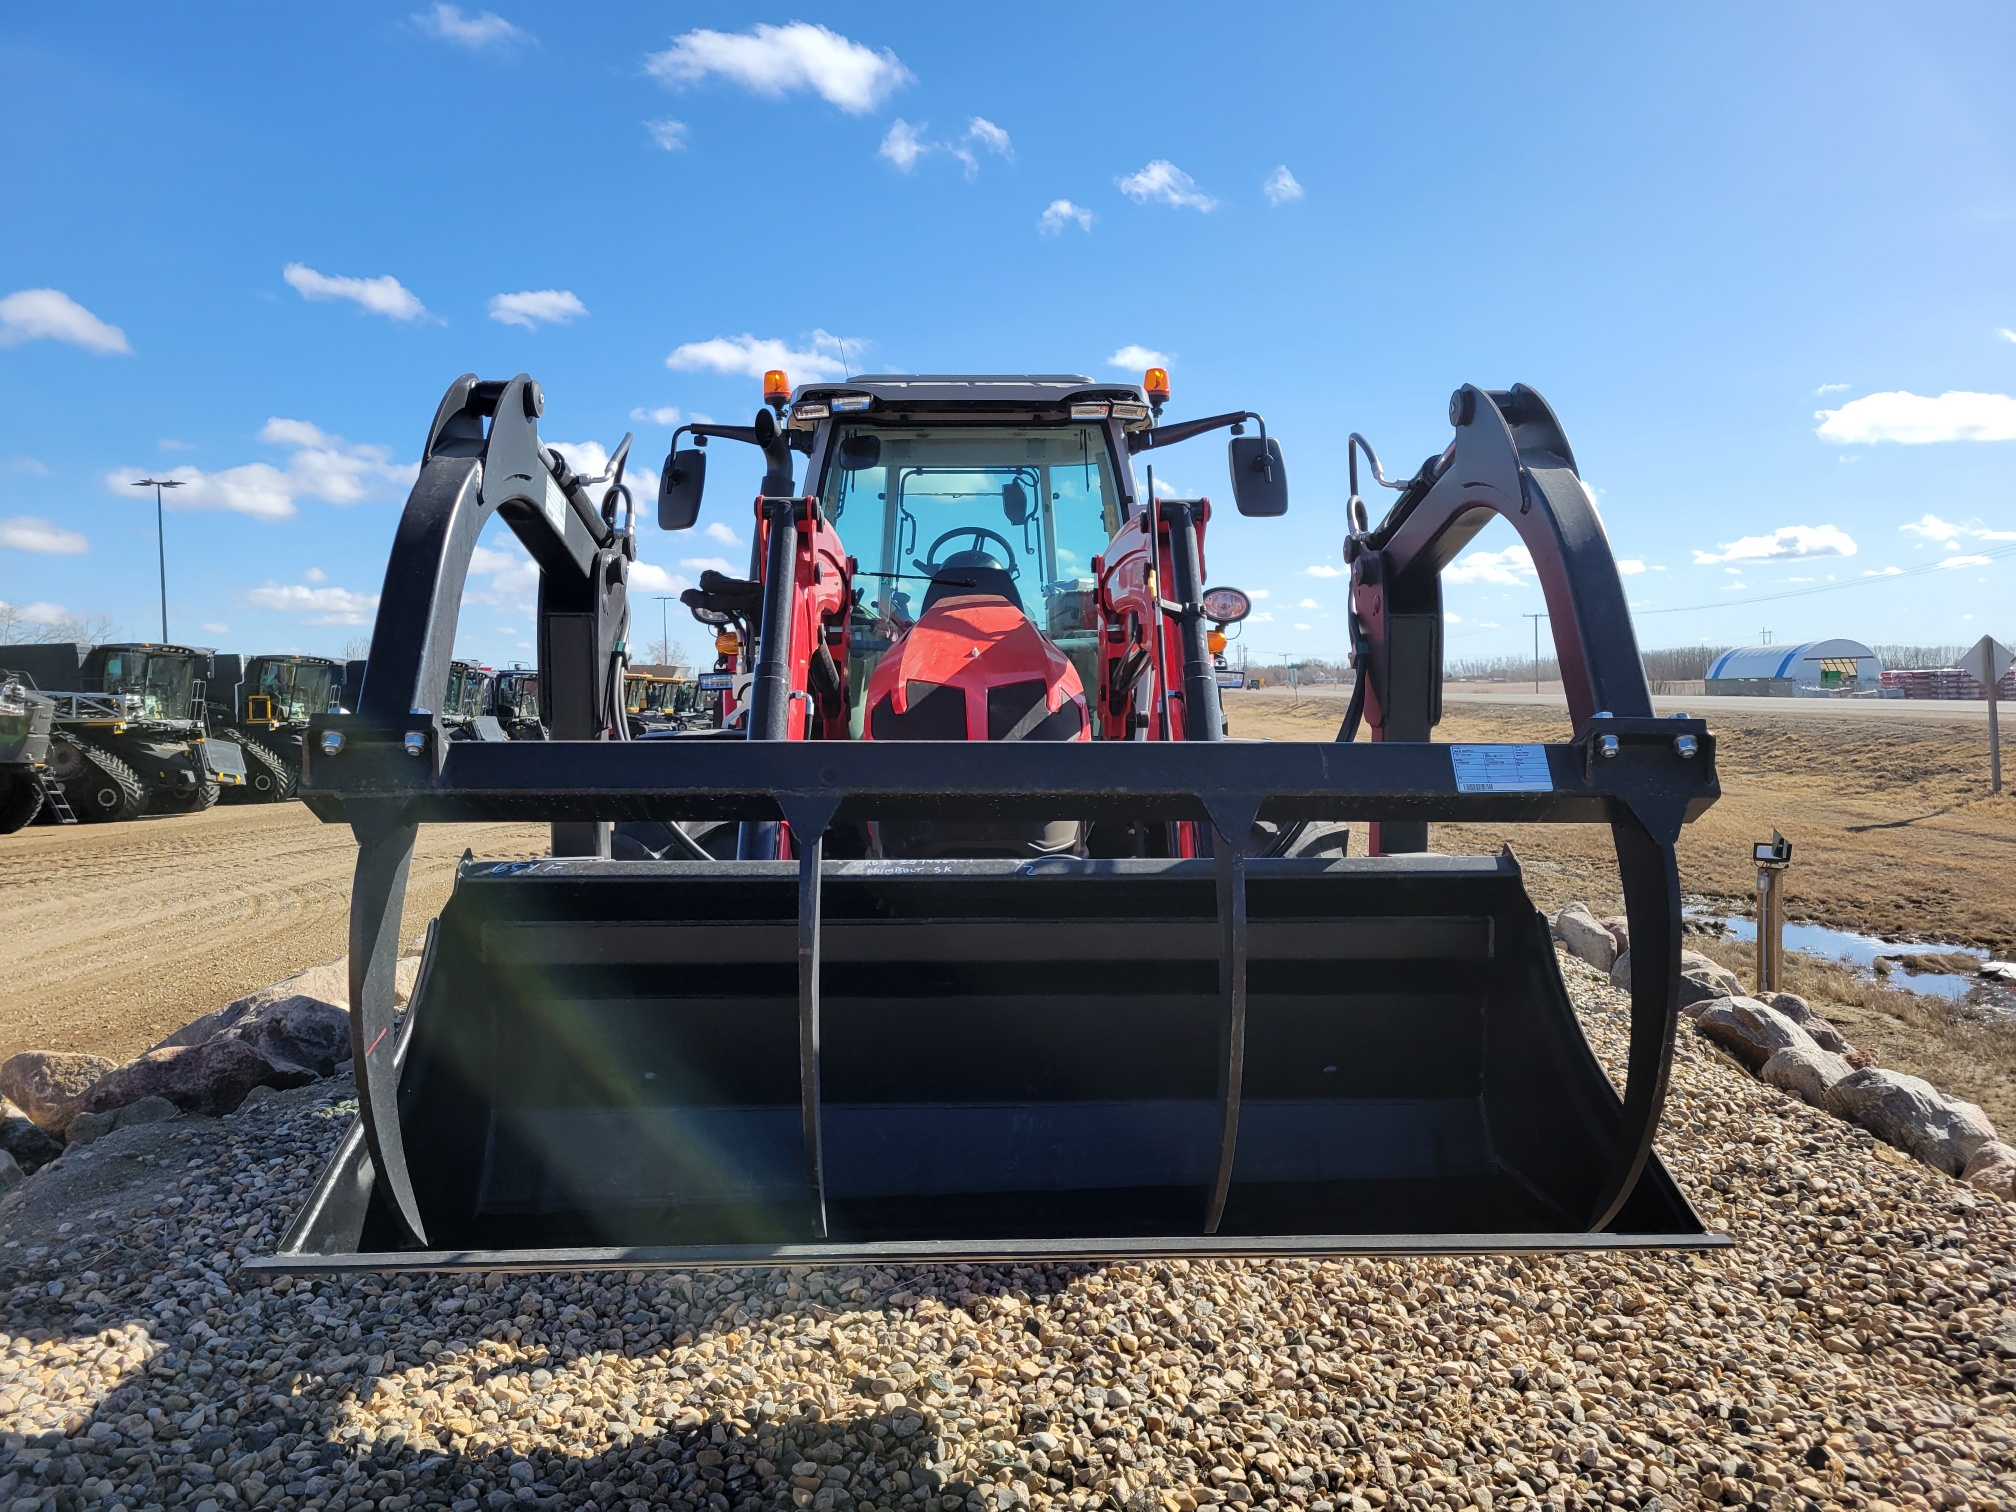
[634, 1063]
[607, 1063]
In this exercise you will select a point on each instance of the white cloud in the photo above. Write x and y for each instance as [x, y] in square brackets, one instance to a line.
[983, 131]
[530, 306]
[668, 133]
[904, 145]
[1305, 627]
[1136, 359]
[1454, 619]
[1933, 528]
[1629, 566]
[383, 295]
[1164, 182]
[647, 578]
[32, 533]
[1831, 388]
[719, 564]
[321, 466]
[1260, 619]
[2005, 333]
[29, 465]
[1281, 186]
[52, 315]
[331, 606]
[169, 443]
[314, 575]
[1788, 543]
[722, 531]
[1883, 572]
[1323, 570]
[1916, 419]
[1261, 593]
[753, 356]
[1945, 533]
[774, 61]
[1060, 213]
[216, 627]
[1308, 603]
[43, 613]
[1504, 567]
[1966, 561]
[664, 414]
[450, 24]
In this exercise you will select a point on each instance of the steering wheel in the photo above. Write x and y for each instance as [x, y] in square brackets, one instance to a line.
[931, 566]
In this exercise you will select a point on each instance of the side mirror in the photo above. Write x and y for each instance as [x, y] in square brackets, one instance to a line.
[1015, 502]
[857, 453]
[679, 489]
[1259, 478]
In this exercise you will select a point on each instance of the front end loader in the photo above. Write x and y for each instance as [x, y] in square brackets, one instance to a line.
[1008, 952]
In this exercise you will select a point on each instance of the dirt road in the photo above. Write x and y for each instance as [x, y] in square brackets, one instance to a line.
[117, 934]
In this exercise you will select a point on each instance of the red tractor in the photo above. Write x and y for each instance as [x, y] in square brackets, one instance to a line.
[973, 558]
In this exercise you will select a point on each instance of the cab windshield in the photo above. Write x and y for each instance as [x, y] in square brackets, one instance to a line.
[465, 692]
[1040, 500]
[298, 689]
[164, 683]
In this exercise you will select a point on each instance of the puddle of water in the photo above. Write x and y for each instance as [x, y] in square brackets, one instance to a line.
[1857, 949]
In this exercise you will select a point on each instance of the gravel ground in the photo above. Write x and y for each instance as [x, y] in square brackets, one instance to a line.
[1854, 1350]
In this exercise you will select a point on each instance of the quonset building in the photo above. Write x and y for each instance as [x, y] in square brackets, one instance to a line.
[1816, 669]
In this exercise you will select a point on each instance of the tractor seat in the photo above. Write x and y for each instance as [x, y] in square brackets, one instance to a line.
[971, 572]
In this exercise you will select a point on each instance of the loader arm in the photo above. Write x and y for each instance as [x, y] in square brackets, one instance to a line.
[468, 472]
[1511, 459]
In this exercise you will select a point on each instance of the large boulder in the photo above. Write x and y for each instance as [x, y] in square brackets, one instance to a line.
[299, 1031]
[1700, 978]
[49, 1084]
[1805, 1071]
[1797, 1009]
[1749, 1030]
[10, 1171]
[1577, 928]
[31, 1145]
[211, 1078]
[86, 1127]
[1992, 1169]
[1620, 931]
[1912, 1114]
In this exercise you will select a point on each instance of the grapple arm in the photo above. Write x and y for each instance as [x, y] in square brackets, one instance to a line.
[1510, 458]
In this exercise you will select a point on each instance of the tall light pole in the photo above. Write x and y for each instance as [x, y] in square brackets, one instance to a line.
[665, 625]
[161, 540]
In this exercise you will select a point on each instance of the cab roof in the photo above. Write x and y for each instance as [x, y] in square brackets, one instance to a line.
[966, 390]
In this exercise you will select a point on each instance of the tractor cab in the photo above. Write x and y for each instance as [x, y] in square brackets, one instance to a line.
[514, 700]
[163, 680]
[286, 690]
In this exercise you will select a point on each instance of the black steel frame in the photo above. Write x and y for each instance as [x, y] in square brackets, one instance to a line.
[387, 768]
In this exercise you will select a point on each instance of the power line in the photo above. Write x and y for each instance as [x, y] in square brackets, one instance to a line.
[1861, 582]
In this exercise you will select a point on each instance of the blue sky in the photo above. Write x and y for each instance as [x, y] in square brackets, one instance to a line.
[1762, 261]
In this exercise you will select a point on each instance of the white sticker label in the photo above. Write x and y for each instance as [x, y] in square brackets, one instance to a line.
[1501, 768]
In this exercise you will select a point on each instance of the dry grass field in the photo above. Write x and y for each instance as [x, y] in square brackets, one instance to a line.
[1893, 835]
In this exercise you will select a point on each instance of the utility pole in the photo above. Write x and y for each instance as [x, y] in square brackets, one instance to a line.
[161, 539]
[1536, 618]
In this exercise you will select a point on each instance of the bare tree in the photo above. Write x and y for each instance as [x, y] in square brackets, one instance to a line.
[18, 629]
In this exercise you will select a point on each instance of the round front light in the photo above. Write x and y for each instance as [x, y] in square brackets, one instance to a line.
[1226, 606]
